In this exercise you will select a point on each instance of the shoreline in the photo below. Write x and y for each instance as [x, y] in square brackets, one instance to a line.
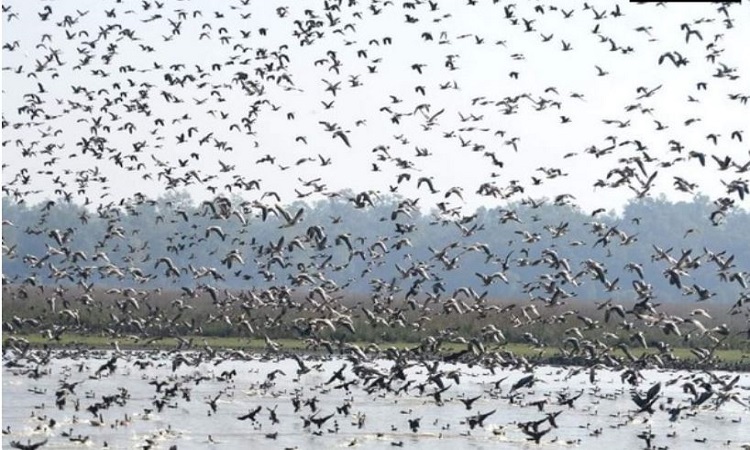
[510, 354]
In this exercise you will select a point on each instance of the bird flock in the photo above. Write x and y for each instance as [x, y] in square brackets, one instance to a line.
[258, 110]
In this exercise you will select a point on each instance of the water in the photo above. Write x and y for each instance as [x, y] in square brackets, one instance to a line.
[601, 417]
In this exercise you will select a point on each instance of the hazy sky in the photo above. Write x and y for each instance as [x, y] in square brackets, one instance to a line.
[376, 86]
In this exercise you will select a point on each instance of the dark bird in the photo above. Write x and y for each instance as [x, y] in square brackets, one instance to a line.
[28, 446]
[533, 433]
[645, 403]
[478, 419]
[468, 402]
[319, 421]
[414, 424]
[212, 402]
[676, 58]
[527, 381]
[251, 414]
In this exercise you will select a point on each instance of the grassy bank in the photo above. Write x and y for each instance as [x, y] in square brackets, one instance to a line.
[100, 312]
[731, 357]
[101, 318]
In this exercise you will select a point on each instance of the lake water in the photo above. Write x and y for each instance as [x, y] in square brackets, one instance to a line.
[601, 418]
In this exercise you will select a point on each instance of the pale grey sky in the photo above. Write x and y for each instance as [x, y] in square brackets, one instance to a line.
[484, 46]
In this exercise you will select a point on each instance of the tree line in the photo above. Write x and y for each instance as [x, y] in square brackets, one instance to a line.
[363, 245]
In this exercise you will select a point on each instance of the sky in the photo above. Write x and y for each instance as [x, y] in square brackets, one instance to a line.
[462, 55]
